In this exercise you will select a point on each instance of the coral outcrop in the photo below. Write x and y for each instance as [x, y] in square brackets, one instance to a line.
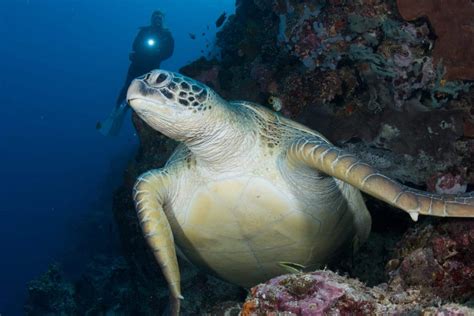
[370, 81]
[111, 287]
[452, 22]
[356, 72]
[346, 64]
[50, 294]
[436, 260]
[328, 293]
[432, 272]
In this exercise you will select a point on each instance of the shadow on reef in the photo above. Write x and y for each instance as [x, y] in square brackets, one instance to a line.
[109, 286]
[371, 82]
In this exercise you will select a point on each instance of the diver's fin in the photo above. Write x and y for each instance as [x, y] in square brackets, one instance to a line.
[112, 124]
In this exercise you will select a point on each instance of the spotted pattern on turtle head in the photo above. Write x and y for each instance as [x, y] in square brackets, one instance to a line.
[183, 90]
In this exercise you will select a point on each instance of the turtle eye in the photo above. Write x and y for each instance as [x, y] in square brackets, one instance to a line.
[161, 77]
[157, 78]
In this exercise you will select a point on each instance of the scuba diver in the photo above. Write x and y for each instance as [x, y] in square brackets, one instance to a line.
[151, 46]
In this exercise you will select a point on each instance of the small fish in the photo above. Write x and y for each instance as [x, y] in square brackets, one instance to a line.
[98, 125]
[292, 267]
[203, 33]
[275, 102]
[208, 27]
[192, 35]
[221, 19]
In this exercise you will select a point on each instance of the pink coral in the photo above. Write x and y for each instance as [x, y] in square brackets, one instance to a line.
[306, 294]
[327, 293]
[447, 183]
[308, 41]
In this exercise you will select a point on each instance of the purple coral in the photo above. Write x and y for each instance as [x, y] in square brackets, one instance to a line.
[447, 183]
[316, 293]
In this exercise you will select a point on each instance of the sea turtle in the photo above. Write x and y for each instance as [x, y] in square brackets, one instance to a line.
[248, 189]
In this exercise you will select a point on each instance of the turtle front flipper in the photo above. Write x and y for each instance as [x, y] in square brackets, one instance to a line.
[150, 194]
[335, 162]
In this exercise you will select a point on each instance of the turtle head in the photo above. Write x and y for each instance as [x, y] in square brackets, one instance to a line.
[173, 104]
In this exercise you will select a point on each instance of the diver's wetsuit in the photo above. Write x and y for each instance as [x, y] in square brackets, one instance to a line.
[151, 46]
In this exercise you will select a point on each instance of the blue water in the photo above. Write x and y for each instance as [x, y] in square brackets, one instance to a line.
[62, 63]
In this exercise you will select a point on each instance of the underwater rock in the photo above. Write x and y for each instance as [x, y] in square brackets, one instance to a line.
[106, 287]
[50, 294]
[210, 77]
[447, 183]
[437, 260]
[328, 293]
[453, 26]
[468, 129]
[315, 293]
[395, 142]
[110, 286]
[263, 74]
[227, 308]
[206, 70]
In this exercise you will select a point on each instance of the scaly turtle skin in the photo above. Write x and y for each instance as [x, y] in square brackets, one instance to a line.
[248, 189]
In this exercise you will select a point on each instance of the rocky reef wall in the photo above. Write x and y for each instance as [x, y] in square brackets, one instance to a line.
[386, 80]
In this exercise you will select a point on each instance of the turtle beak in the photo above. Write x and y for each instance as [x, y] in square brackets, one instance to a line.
[140, 96]
[137, 90]
[146, 100]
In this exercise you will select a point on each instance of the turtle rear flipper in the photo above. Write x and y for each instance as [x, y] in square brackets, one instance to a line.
[335, 162]
[150, 194]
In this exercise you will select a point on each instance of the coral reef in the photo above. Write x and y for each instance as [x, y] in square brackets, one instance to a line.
[111, 287]
[106, 287]
[346, 64]
[328, 293]
[49, 294]
[352, 64]
[432, 268]
[452, 24]
[390, 91]
[437, 260]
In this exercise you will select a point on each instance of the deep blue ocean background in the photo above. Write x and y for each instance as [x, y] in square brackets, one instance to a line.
[62, 64]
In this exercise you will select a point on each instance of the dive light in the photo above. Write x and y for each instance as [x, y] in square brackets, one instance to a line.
[151, 42]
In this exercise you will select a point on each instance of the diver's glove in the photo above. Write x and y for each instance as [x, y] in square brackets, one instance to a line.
[111, 125]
